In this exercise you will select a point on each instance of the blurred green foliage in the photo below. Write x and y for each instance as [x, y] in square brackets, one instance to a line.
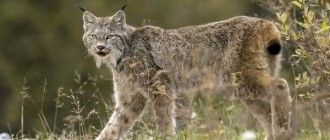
[40, 43]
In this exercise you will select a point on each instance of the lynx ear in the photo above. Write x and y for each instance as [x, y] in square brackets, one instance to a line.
[119, 19]
[88, 17]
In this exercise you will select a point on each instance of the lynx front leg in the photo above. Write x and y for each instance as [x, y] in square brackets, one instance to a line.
[123, 118]
[163, 106]
[181, 112]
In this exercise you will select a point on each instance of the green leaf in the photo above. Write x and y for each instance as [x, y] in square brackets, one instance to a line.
[323, 29]
[231, 107]
[324, 23]
[282, 17]
[315, 80]
[304, 25]
[301, 95]
[299, 52]
[305, 76]
[294, 35]
[297, 4]
[310, 16]
[286, 27]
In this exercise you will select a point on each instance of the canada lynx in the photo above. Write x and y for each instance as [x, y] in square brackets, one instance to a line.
[157, 66]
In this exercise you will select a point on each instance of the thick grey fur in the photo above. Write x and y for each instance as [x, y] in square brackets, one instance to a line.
[151, 65]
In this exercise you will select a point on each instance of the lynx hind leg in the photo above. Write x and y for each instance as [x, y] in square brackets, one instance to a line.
[280, 108]
[260, 109]
[181, 112]
[123, 118]
[273, 113]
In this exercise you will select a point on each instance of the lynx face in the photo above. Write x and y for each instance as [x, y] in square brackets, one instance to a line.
[105, 37]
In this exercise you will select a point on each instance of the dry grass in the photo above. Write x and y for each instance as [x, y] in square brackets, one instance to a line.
[303, 23]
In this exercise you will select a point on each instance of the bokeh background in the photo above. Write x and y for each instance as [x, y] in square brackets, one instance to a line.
[42, 54]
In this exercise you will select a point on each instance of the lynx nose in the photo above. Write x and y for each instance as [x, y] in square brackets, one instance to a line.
[100, 48]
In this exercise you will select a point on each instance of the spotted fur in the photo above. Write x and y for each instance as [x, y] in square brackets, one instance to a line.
[153, 65]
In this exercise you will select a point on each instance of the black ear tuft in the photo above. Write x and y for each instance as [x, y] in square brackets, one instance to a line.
[123, 8]
[82, 9]
[274, 48]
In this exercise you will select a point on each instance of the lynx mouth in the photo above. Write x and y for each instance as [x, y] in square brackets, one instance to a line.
[101, 53]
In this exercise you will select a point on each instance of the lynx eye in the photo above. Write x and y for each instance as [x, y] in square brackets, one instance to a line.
[94, 36]
[110, 37]
[274, 47]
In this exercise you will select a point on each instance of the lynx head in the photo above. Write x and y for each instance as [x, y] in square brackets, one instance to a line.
[105, 37]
